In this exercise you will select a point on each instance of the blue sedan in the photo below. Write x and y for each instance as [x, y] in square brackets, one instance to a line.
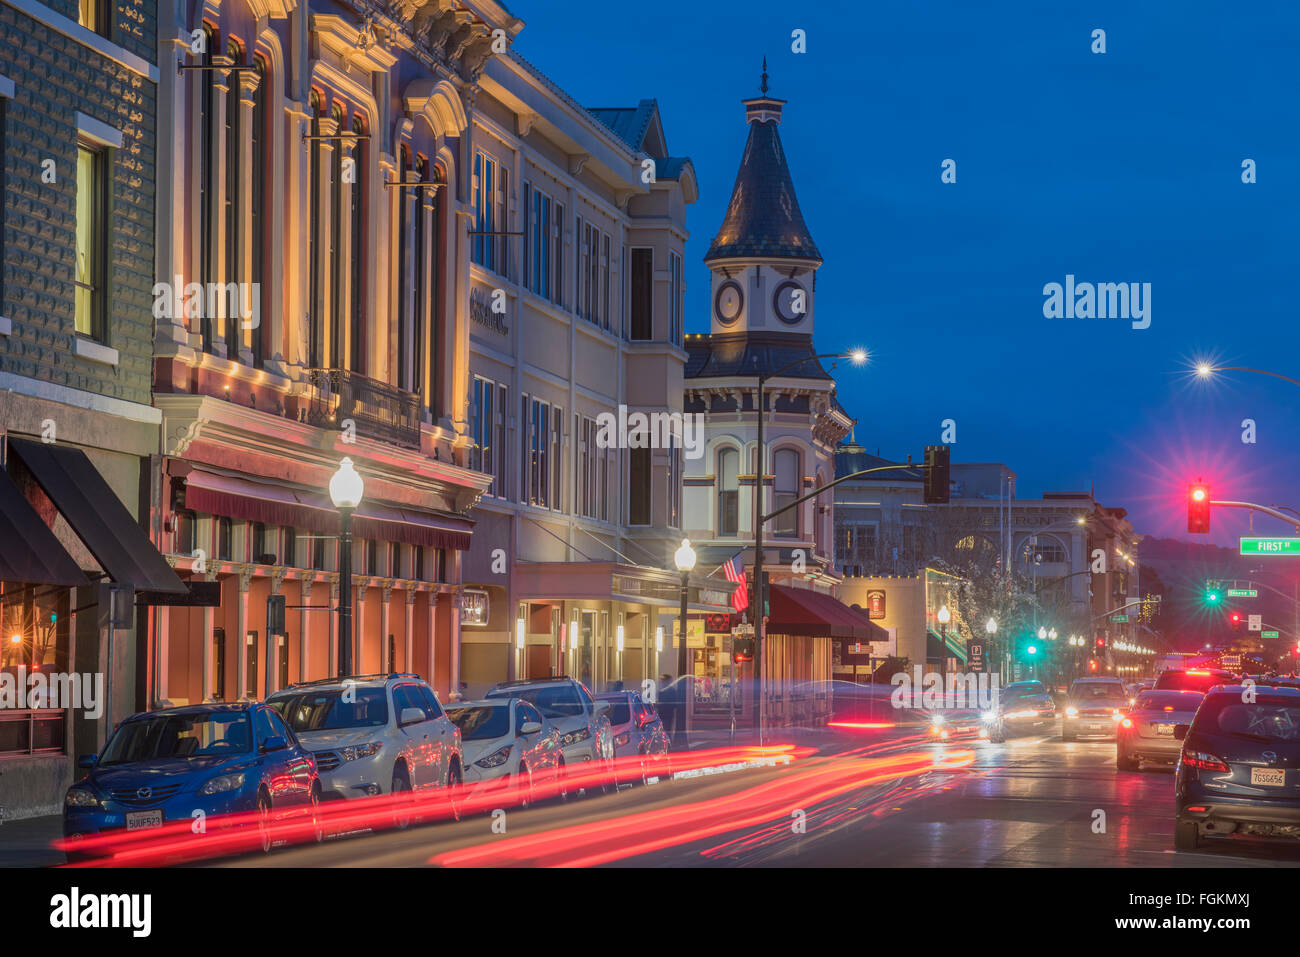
[218, 759]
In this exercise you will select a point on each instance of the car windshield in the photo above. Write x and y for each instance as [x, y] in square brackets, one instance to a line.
[179, 736]
[481, 722]
[1270, 720]
[1168, 701]
[1097, 692]
[619, 711]
[326, 710]
[558, 701]
[1012, 692]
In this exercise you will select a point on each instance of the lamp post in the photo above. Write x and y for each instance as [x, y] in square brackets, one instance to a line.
[944, 616]
[346, 489]
[858, 357]
[991, 629]
[684, 558]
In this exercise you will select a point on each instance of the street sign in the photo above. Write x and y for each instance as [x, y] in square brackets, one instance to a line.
[1269, 634]
[1270, 546]
[1243, 593]
[975, 663]
[1119, 618]
[1255, 623]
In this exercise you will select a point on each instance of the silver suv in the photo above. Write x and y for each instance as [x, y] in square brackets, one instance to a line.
[582, 722]
[374, 734]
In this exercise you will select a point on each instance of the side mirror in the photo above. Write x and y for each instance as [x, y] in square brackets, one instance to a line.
[274, 743]
[410, 716]
[1180, 731]
[602, 707]
[87, 760]
[529, 727]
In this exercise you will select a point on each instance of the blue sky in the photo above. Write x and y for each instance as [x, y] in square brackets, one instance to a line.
[1115, 167]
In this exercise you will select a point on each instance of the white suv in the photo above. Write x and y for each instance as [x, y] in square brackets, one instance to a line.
[374, 734]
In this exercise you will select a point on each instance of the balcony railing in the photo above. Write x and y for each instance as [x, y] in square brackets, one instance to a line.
[380, 411]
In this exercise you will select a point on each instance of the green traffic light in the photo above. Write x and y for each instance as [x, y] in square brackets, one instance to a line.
[1032, 649]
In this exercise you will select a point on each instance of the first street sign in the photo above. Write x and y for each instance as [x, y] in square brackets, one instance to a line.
[1270, 546]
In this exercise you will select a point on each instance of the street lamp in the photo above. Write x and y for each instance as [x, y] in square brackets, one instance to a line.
[1042, 633]
[346, 489]
[857, 357]
[684, 559]
[944, 616]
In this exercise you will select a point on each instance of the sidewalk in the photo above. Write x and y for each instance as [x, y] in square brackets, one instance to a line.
[26, 842]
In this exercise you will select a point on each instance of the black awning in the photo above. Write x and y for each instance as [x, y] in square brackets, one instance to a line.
[98, 517]
[30, 553]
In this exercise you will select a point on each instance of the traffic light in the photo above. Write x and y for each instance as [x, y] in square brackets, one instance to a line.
[275, 606]
[1092, 664]
[937, 474]
[1234, 620]
[1031, 650]
[1198, 508]
[742, 649]
[1213, 593]
[1101, 642]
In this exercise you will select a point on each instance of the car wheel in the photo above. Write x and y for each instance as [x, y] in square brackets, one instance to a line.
[401, 794]
[317, 825]
[1126, 763]
[454, 781]
[264, 820]
[1187, 835]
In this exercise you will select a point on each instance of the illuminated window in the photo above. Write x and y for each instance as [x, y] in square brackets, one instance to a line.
[785, 467]
[728, 492]
[92, 240]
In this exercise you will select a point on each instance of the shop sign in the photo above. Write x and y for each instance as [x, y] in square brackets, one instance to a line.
[876, 603]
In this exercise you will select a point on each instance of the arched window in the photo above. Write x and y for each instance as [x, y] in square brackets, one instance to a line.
[336, 247]
[430, 301]
[357, 247]
[785, 470]
[207, 264]
[316, 250]
[233, 223]
[728, 492]
[408, 359]
[1046, 551]
[260, 137]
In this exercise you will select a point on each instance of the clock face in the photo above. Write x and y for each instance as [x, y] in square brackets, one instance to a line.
[790, 302]
[729, 301]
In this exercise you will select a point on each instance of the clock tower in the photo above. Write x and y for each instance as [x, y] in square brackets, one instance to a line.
[763, 259]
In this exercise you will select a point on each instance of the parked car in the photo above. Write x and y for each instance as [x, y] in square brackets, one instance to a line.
[1193, 679]
[1146, 731]
[583, 723]
[1093, 708]
[1022, 707]
[509, 738]
[638, 731]
[1239, 770]
[221, 759]
[388, 734]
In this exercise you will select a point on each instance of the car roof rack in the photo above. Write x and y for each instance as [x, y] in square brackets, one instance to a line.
[379, 676]
[533, 681]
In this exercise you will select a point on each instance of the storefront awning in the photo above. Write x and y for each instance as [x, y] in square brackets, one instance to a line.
[233, 496]
[97, 516]
[950, 645]
[31, 554]
[800, 611]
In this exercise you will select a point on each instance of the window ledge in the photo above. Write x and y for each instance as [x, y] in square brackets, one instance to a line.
[6, 326]
[95, 351]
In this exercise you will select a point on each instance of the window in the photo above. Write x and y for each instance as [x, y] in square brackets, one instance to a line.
[429, 301]
[96, 16]
[258, 545]
[183, 538]
[557, 284]
[372, 556]
[482, 429]
[258, 136]
[675, 298]
[491, 181]
[233, 200]
[207, 179]
[357, 246]
[225, 533]
[605, 266]
[1047, 551]
[431, 706]
[674, 488]
[785, 468]
[580, 292]
[92, 240]
[417, 570]
[394, 560]
[557, 460]
[642, 296]
[336, 247]
[290, 558]
[540, 481]
[317, 253]
[728, 492]
[638, 481]
[543, 244]
[590, 470]
[405, 266]
[503, 448]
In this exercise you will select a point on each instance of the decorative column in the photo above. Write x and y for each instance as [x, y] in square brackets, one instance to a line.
[162, 648]
[334, 625]
[318, 312]
[453, 678]
[241, 328]
[209, 621]
[409, 644]
[304, 629]
[241, 632]
[386, 596]
[358, 624]
[432, 611]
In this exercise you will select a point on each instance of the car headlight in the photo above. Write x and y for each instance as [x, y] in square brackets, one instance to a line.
[222, 783]
[937, 719]
[356, 751]
[1072, 712]
[1116, 715]
[573, 737]
[496, 758]
[80, 797]
[990, 716]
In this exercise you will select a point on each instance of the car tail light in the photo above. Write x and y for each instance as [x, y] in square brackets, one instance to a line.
[1198, 809]
[1204, 760]
[1127, 722]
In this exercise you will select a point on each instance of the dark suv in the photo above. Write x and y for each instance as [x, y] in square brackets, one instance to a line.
[1022, 707]
[1239, 769]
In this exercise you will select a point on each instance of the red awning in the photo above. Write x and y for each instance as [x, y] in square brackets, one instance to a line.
[799, 611]
[235, 497]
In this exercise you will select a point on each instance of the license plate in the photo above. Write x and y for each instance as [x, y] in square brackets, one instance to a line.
[1269, 777]
[1096, 727]
[1163, 728]
[142, 820]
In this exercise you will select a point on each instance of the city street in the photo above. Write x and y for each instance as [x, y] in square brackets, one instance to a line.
[1029, 802]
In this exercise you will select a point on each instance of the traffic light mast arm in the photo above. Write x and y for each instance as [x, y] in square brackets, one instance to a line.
[1260, 508]
[830, 485]
[1127, 604]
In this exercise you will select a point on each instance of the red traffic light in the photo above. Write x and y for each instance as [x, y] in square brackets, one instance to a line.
[1101, 642]
[1198, 508]
[1092, 665]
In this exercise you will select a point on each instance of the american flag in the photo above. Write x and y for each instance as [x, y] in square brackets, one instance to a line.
[735, 572]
